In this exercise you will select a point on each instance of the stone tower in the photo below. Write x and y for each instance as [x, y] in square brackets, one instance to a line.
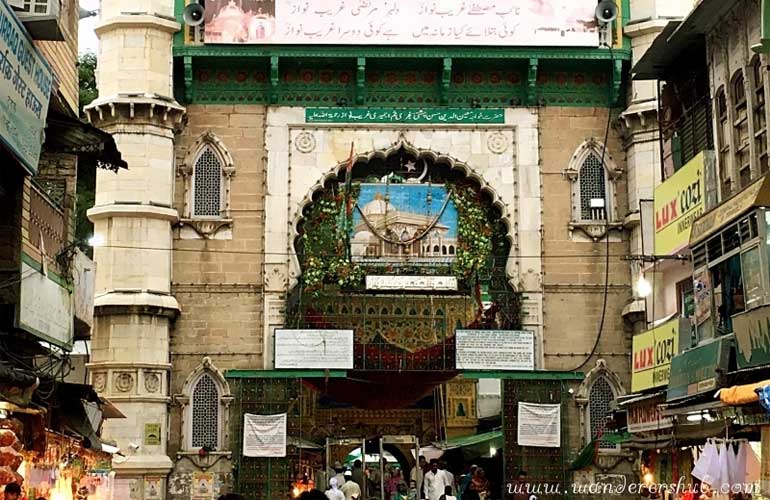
[133, 218]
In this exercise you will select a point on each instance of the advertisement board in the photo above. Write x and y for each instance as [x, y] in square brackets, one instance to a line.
[403, 22]
[697, 370]
[646, 415]
[495, 350]
[678, 202]
[652, 354]
[314, 349]
[45, 307]
[26, 82]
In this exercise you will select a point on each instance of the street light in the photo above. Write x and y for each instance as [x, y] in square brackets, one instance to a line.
[643, 287]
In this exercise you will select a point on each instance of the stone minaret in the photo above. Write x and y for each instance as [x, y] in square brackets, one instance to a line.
[133, 218]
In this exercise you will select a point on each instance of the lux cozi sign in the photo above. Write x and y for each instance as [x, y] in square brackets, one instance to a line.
[678, 202]
[653, 351]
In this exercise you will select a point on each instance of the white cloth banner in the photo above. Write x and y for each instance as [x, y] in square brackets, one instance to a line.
[539, 425]
[264, 435]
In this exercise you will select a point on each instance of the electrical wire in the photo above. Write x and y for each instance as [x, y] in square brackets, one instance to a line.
[607, 247]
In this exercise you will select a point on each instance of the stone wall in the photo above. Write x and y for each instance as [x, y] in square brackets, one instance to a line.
[574, 266]
[218, 280]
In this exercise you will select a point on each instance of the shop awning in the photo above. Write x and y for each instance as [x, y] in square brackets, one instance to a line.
[492, 439]
[65, 134]
[638, 398]
[756, 195]
[660, 56]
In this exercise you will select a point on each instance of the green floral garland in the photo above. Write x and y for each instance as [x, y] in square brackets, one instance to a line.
[474, 230]
[324, 253]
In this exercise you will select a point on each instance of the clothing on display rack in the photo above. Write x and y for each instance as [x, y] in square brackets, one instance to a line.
[727, 465]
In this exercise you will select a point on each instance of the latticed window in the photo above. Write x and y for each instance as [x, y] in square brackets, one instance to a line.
[205, 414]
[741, 130]
[207, 184]
[593, 189]
[600, 397]
[759, 119]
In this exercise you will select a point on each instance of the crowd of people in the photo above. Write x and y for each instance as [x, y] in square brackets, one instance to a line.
[426, 481]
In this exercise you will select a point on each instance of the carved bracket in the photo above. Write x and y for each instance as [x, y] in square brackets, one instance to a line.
[188, 79]
[275, 79]
[446, 80]
[360, 80]
[532, 82]
[617, 79]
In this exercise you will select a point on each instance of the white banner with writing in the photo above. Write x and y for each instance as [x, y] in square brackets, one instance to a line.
[539, 425]
[403, 22]
[509, 350]
[264, 435]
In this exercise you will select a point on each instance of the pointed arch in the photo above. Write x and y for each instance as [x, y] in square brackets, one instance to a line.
[594, 204]
[205, 402]
[594, 396]
[337, 172]
[207, 169]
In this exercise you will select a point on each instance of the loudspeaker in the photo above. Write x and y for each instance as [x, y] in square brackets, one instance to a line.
[606, 11]
[193, 14]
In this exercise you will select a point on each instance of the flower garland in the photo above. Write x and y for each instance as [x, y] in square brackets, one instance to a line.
[324, 254]
[474, 232]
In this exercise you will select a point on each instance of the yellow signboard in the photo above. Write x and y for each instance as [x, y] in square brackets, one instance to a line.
[678, 202]
[653, 351]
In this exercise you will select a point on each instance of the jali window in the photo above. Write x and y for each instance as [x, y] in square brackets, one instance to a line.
[205, 414]
[207, 184]
[600, 398]
[593, 189]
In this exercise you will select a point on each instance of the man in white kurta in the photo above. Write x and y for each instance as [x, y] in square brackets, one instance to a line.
[434, 484]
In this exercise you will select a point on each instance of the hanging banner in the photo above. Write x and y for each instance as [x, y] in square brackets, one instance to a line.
[403, 22]
[701, 282]
[264, 435]
[539, 425]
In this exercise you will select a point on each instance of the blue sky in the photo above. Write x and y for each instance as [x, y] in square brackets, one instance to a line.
[412, 198]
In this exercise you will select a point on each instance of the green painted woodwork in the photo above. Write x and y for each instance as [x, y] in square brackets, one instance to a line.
[408, 83]
[763, 47]
[395, 115]
[536, 375]
[285, 374]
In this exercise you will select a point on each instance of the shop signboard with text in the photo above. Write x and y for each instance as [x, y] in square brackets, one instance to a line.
[26, 82]
[698, 370]
[554, 23]
[678, 202]
[652, 354]
[645, 416]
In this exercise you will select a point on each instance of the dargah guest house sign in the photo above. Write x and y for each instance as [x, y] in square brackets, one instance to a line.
[25, 89]
[403, 22]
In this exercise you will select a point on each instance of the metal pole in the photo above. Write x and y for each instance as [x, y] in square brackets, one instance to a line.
[382, 472]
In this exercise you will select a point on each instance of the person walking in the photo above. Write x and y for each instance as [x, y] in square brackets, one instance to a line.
[334, 493]
[351, 488]
[433, 482]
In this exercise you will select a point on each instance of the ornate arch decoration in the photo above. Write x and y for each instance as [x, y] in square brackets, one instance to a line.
[205, 369]
[600, 372]
[215, 227]
[337, 173]
[600, 223]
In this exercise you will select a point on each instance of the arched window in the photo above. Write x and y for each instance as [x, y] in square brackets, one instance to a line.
[207, 184]
[600, 397]
[594, 397]
[594, 208]
[436, 249]
[741, 130]
[205, 414]
[723, 143]
[758, 115]
[207, 170]
[451, 250]
[205, 402]
[593, 189]
[443, 249]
